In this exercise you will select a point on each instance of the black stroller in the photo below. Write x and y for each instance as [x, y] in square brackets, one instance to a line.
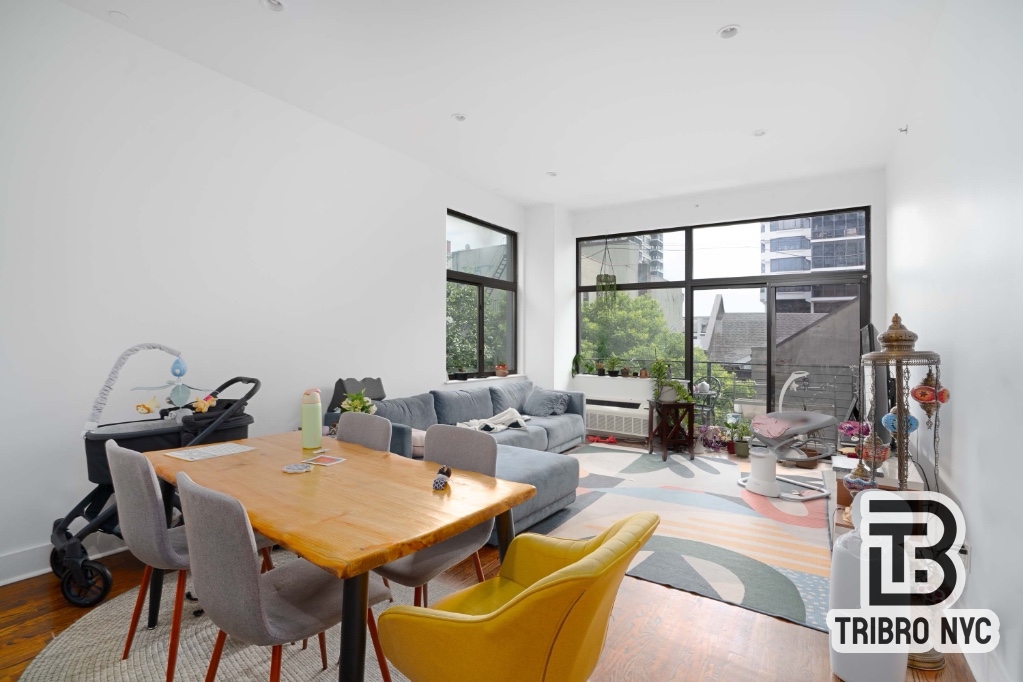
[85, 582]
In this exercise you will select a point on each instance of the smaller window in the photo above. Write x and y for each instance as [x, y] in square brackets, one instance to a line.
[793, 264]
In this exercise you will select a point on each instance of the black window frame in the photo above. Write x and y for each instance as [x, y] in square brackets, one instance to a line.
[769, 282]
[482, 283]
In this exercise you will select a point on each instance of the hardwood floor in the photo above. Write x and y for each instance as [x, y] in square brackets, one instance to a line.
[656, 633]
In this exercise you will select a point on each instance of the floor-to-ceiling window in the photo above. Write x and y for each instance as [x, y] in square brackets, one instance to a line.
[740, 307]
[481, 296]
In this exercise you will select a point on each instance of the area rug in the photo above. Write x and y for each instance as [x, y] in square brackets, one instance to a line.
[715, 538]
[90, 649]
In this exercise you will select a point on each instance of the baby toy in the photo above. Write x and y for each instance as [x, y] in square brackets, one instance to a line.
[180, 391]
[148, 407]
[443, 475]
[204, 404]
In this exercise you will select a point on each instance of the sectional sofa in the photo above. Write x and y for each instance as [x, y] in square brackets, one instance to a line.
[529, 455]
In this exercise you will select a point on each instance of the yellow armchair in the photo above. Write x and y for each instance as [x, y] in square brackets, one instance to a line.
[543, 618]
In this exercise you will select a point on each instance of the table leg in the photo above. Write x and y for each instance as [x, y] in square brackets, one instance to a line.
[505, 532]
[664, 429]
[354, 603]
[692, 431]
[156, 581]
[650, 429]
[155, 591]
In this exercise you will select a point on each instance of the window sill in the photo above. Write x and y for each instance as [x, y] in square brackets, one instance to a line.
[479, 379]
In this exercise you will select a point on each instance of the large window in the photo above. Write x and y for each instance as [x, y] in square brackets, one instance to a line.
[480, 297]
[735, 306]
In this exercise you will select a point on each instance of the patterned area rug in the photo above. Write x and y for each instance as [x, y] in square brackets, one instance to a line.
[715, 538]
[91, 648]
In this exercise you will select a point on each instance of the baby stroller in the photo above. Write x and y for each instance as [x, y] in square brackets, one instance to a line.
[85, 582]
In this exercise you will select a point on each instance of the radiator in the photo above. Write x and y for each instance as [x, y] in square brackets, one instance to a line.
[619, 418]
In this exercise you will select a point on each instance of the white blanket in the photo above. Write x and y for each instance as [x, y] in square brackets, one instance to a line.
[509, 419]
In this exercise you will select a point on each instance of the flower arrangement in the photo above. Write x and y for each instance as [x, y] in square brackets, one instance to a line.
[501, 369]
[357, 402]
[851, 429]
[714, 438]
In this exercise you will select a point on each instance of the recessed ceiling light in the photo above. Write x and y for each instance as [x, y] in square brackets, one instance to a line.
[118, 16]
[273, 5]
[552, 174]
[759, 133]
[729, 31]
[459, 117]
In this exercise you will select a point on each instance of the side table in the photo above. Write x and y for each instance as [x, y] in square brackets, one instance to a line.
[674, 426]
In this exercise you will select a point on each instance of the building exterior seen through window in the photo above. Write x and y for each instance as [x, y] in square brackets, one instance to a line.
[481, 297]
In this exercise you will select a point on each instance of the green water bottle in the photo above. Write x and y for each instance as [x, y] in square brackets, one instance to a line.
[312, 431]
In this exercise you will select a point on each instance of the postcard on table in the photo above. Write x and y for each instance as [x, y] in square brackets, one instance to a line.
[324, 460]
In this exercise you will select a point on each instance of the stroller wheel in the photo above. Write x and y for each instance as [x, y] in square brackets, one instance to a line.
[95, 587]
[57, 562]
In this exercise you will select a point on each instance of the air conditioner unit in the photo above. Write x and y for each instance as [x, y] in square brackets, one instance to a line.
[618, 417]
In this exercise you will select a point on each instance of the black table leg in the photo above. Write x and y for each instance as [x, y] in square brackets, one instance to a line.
[505, 532]
[155, 590]
[354, 604]
[156, 581]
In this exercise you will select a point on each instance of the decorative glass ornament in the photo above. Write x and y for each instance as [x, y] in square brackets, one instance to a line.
[928, 394]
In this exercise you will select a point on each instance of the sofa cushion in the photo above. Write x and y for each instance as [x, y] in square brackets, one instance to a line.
[544, 403]
[418, 443]
[534, 437]
[561, 429]
[417, 411]
[554, 476]
[462, 405]
[510, 394]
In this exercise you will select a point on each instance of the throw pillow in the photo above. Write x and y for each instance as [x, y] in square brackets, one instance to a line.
[418, 443]
[544, 403]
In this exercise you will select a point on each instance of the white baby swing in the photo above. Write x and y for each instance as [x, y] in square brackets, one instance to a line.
[779, 431]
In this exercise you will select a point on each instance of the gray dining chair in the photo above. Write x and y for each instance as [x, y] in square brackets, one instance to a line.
[366, 430]
[143, 524]
[457, 448]
[294, 601]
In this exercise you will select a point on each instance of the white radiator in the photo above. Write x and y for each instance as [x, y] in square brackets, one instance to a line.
[623, 421]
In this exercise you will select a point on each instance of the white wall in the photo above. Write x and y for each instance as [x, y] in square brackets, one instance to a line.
[861, 188]
[955, 196]
[549, 295]
[145, 198]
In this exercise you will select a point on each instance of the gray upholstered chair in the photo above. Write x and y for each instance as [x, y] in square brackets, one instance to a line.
[294, 601]
[366, 430]
[143, 523]
[458, 448]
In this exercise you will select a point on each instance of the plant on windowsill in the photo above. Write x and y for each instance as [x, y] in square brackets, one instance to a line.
[666, 389]
[600, 368]
[459, 375]
[589, 367]
[577, 364]
[613, 363]
[501, 369]
[626, 372]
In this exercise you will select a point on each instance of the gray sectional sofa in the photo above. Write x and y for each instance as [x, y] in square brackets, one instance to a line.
[527, 455]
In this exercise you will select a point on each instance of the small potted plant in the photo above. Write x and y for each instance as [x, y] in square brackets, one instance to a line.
[613, 363]
[600, 369]
[459, 375]
[357, 402]
[740, 432]
[644, 373]
[666, 389]
[626, 372]
[589, 367]
[501, 369]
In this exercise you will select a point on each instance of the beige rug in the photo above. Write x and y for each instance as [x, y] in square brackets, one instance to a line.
[91, 648]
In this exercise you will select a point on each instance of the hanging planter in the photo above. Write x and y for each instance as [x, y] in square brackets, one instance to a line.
[607, 286]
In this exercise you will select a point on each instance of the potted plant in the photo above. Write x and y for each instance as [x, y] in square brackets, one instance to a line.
[577, 364]
[600, 368]
[589, 367]
[666, 389]
[643, 373]
[626, 372]
[740, 433]
[357, 402]
[501, 369]
[459, 375]
[613, 363]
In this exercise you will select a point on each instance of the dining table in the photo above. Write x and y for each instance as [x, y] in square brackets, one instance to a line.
[352, 516]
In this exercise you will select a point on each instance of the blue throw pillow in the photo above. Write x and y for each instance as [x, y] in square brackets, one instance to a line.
[544, 403]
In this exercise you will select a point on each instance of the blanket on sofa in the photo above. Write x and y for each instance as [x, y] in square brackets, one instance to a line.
[509, 419]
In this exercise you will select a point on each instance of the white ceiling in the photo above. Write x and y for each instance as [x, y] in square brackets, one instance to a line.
[625, 100]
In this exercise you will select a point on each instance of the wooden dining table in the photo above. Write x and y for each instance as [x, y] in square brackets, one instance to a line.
[351, 517]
